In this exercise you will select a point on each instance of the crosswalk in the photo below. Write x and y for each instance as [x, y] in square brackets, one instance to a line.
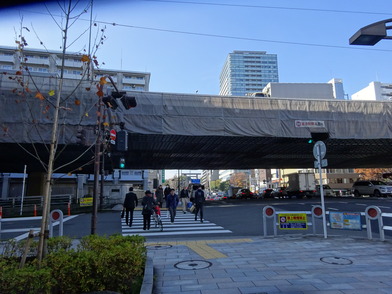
[184, 224]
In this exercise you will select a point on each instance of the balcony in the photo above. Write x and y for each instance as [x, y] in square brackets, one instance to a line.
[6, 58]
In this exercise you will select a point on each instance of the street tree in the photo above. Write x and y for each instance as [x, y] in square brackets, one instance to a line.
[372, 173]
[224, 186]
[238, 180]
[52, 103]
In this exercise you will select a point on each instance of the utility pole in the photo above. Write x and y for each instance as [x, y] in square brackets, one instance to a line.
[97, 158]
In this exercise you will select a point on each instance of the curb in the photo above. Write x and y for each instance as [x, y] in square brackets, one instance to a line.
[148, 280]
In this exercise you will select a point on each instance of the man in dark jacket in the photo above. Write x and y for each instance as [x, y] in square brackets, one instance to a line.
[184, 197]
[159, 195]
[130, 202]
[199, 202]
[172, 202]
[148, 203]
[166, 193]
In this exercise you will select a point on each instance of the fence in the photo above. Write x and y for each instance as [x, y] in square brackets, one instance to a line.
[372, 213]
[30, 201]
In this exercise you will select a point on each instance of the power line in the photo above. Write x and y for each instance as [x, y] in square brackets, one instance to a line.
[240, 38]
[271, 7]
[225, 36]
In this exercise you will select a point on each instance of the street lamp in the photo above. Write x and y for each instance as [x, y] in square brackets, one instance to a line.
[372, 34]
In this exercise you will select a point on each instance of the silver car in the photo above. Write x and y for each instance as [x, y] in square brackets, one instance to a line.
[326, 189]
[371, 188]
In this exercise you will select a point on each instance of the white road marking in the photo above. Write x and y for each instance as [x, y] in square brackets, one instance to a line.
[184, 224]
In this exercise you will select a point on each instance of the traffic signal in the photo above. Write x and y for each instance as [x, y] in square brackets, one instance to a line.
[122, 141]
[128, 102]
[110, 102]
[122, 162]
[318, 137]
[81, 137]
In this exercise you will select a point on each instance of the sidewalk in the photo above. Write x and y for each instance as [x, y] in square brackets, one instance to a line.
[285, 264]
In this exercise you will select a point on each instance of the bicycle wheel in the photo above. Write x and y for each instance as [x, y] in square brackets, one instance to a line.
[160, 224]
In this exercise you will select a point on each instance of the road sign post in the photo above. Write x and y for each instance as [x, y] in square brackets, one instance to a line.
[319, 151]
[113, 135]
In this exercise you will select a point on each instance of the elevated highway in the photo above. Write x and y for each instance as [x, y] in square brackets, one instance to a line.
[180, 131]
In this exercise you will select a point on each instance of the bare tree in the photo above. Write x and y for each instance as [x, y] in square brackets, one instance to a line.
[56, 103]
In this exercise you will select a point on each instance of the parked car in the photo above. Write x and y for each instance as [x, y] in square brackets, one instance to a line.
[328, 191]
[280, 192]
[219, 196]
[267, 193]
[371, 188]
[244, 194]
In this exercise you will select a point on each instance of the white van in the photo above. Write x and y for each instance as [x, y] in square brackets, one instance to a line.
[327, 190]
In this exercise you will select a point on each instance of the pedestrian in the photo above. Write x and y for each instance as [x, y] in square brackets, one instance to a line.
[148, 204]
[166, 193]
[130, 202]
[184, 197]
[159, 195]
[172, 202]
[199, 202]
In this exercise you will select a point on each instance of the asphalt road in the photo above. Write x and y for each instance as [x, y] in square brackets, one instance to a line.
[244, 217]
[240, 217]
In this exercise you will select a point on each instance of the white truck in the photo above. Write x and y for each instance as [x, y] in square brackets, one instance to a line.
[301, 184]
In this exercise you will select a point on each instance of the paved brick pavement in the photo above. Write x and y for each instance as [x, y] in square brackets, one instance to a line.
[285, 264]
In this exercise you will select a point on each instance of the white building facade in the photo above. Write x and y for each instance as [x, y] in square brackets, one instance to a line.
[375, 91]
[50, 62]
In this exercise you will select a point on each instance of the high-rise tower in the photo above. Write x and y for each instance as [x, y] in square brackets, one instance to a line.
[248, 72]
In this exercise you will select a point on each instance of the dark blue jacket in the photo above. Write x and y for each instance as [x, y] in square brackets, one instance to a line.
[172, 200]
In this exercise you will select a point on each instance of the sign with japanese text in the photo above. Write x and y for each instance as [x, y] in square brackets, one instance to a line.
[345, 220]
[309, 124]
[293, 221]
[87, 201]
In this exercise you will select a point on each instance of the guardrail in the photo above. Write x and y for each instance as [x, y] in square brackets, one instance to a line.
[372, 213]
[29, 201]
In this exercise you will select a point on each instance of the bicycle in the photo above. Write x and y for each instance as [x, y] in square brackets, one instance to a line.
[156, 215]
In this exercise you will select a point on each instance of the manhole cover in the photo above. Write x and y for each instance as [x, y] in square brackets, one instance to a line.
[158, 247]
[336, 260]
[193, 264]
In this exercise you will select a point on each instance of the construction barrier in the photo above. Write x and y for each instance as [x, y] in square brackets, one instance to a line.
[372, 213]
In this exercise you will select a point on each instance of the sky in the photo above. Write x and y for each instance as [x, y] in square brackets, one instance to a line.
[184, 44]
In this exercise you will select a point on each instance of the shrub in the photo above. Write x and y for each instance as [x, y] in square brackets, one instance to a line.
[114, 263]
[26, 280]
[59, 243]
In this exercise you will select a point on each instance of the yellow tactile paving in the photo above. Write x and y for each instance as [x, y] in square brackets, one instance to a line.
[201, 247]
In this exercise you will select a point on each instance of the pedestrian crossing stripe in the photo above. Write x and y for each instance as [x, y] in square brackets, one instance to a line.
[184, 224]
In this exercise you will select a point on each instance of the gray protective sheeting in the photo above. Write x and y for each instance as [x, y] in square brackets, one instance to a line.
[200, 115]
[30, 120]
